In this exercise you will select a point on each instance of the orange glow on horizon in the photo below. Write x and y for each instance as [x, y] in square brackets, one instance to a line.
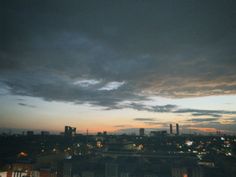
[209, 130]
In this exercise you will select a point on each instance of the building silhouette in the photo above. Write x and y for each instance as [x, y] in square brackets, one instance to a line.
[111, 170]
[141, 132]
[177, 129]
[69, 131]
[171, 129]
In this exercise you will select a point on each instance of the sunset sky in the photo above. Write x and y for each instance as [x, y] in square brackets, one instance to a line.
[118, 65]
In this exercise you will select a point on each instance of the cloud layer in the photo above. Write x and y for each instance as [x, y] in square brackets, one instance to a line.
[85, 52]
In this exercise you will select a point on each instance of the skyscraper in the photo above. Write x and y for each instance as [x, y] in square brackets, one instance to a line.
[177, 129]
[69, 131]
[171, 129]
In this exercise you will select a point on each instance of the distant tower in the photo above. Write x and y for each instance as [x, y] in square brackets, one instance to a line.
[141, 132]
[171, 129]
[177, 129]
[69, 131]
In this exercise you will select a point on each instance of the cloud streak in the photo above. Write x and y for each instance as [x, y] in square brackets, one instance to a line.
[203, 119]
[205, 112]
[86, 82]
[27, 105]
[144, 119]
[112, 86]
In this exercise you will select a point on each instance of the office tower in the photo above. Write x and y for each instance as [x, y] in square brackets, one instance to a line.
[141, 132]
[171, 129]
[177, 129]
[69, 131]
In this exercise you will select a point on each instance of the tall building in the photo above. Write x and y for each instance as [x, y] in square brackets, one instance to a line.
[177, 129]
[171, 129]
[69, 131]
[141, 132]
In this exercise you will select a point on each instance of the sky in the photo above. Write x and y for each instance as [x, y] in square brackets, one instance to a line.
[118, 66]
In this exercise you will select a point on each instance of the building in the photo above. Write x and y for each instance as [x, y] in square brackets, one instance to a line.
[3, 174]
[187, 172]
[45, 133]
[141, 132]
[124, 174]
[30, 133]
[111, 170]
[69, 131]
[35, 173]
[196, 172]
[87, 174]
[158, 133]
[47, 173]
[179, 172]
[21, 168]
[150, 175]
[171, 129]
[177, 129]
[67, 169]
[104, 133]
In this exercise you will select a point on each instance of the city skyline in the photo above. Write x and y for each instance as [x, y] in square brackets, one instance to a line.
[108, 66]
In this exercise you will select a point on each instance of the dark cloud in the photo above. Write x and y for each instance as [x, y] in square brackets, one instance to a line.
[144, 107]
[175, 109]
[162, 48]
[121, 126]
[203, 119]
[162, 125]
[206, 114]
[27, 105]
[144, 119]
[224, 127]
[165, 108]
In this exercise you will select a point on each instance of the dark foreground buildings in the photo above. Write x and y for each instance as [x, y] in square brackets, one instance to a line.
[104, 155]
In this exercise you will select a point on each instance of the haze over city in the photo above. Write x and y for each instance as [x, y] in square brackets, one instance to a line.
[117, 66]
